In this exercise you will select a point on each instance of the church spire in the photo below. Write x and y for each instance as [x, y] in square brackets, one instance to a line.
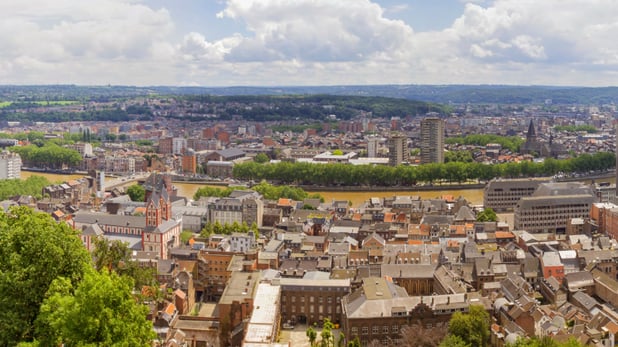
[531, 131]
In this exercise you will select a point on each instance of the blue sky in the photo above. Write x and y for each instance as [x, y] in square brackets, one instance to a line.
[309, 42]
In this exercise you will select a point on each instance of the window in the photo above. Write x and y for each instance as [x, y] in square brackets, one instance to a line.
[329, 300]
[385, 329]
[395, 329]
[365, 331]
[375, 329]
[354, 331]
[311, 299]
[302, 299]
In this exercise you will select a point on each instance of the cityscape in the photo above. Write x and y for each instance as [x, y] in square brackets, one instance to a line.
[308, 173]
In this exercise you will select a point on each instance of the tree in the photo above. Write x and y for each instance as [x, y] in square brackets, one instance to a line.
[354, 343]
[487, 215]
[472, 328]
[116, 256]
[100, 310]
[311, 335]
[328, 339]
[261, 158]
[35, 250]
[137, 192]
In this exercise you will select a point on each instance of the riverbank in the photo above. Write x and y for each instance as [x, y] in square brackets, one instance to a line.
[432, 187]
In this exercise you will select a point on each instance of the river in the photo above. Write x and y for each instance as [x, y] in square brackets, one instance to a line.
[474, 196]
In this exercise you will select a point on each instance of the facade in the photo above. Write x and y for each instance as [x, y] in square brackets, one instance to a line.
[309, 301]
[219, 169]
[397, 149]
[372, 147]
[10, 165]
[552, 206]
[189, 164]
[379, 311]
[119, 165]
[432, 140]
[503, 195]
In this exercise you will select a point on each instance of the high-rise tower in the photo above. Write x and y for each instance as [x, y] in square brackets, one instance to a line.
[432, 140]
[397, 149]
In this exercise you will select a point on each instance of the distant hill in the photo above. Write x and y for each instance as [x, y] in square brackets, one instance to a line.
[458, 94]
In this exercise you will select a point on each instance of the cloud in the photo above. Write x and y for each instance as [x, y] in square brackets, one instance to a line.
[306, 42]
[314, 30]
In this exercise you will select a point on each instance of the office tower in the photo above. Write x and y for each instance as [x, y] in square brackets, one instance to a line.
[10, 165]
[397, 149]
[372, 147]
[432, 140]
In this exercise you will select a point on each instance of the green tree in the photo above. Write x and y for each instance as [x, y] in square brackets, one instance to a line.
[116, 256]
[99, 311]
[328, 339]
[454, 341]
[487, 215]
[261, 158]
[472, 328]
[354, 343]
[137, 192]
[185, 236]
[311, 335]
[35, 250]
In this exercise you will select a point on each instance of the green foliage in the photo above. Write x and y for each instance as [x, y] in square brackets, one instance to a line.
[458, 156]
[576, 128]
[454, 341]
[545, 341]
[226, 229]
[137, 193]
[354, 343]
[33, 186]
[327, 337]
[144, 142]
[472, 328]
[211, 191]
[100, 310]
[487, 215]
[49, 155]
[185, 236]
[511, 143]
[35, 250]
[286, 173]
[261, 158]
[116, 256]
[311, 335]
[337, 152]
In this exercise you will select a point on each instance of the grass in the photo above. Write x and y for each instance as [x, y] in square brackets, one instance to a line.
[43, 103]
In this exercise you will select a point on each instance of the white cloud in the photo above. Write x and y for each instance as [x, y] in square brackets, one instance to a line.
[315, 31]
[306, 42]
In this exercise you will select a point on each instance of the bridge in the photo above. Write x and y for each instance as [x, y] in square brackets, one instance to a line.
[125, 181]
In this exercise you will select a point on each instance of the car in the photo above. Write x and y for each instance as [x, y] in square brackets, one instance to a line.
[288, 326]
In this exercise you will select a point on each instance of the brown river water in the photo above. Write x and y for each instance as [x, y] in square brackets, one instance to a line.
[474, 196]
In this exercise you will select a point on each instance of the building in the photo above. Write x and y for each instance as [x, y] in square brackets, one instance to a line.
[432, 140]
[380, 309]
[550, 208]
[503, 195]
[263, 326]
[309, 301]
[219, 169]
[239, 210]
[397, 149]
[373, 144]
[122, 165]
[10, 165]
[189, 164]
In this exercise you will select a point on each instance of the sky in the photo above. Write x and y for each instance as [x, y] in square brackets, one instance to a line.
[308, 42]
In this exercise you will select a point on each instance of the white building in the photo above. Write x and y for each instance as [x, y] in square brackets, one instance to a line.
[10, 165]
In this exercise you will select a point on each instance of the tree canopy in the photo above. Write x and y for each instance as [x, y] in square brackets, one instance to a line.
[35, 250]
[137, 193]
[471, 329]
[99, 311]
[52, 293]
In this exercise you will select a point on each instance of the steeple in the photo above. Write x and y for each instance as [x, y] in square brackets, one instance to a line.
[531, 131]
